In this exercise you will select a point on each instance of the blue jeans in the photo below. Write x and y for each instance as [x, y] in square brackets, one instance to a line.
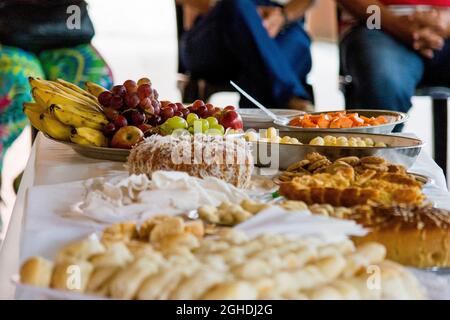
[385, 73]
[230, 43]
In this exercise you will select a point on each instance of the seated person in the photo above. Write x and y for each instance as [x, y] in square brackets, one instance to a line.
[35, 41]
[259, 44]
[386, 65]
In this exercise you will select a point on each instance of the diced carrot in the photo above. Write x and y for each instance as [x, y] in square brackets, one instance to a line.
[315, 118]
[381, 119]
[308, 124]
[345, 122]
[366, 120]
[357, 121]
[334, 123]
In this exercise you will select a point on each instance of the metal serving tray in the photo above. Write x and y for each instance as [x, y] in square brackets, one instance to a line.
[395, 119]
[401, 150]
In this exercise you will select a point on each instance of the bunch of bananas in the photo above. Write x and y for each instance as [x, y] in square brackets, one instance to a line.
[66, 112]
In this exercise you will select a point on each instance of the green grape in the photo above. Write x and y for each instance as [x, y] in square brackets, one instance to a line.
[218, 128]
[177, 123]
[191, 117]
[205, 125]
[191, 130]
[212, 121]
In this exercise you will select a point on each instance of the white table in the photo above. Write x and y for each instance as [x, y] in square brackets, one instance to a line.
[52, 163]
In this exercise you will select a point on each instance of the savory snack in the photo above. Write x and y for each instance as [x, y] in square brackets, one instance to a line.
[336, 120]
[349, 181]
[230, 213]
[229, 159]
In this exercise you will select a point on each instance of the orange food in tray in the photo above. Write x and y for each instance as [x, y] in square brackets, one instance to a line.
[336, 120]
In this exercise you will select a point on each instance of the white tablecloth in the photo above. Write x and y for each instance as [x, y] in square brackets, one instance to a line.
[52, 163]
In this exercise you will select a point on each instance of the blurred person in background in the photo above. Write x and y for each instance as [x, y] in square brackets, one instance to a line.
[261, 44]
[35, 40]
[386, 65]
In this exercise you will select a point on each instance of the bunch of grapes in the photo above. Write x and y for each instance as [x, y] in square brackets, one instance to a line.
[133, 104]
[197, 118]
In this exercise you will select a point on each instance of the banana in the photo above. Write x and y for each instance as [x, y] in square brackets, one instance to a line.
[34, 107]
[95, 137]
[34, 117]
[64, 90]
[54, 128]
[78, 118]
[48, 97]
[74, 88]
[76, 138]
[94, 88]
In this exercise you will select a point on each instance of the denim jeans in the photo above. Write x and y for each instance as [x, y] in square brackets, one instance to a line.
[385, 73]
[230, 43]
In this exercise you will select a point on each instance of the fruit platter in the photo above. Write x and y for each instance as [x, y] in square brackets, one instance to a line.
[358, 120]
[106, 124]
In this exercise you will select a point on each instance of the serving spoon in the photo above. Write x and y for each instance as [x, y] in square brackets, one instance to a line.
[273, 116]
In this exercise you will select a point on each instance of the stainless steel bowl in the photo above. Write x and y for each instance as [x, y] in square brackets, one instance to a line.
[401, 150]
[394, 116]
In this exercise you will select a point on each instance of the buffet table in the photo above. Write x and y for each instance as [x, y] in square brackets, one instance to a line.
[53, 163]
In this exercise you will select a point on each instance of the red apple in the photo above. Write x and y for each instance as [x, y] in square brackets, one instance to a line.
[229, 108]
[126, 137]
[231, 119]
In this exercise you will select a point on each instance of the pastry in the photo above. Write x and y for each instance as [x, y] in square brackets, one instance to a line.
[417, 236]
[184, 265]
[36, 271]
[228, 159]
[71, 276]
[80, 250]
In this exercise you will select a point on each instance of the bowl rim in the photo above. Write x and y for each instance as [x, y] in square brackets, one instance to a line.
[402, 118]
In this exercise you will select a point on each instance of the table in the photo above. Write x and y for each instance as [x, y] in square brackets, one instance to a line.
[51, 162]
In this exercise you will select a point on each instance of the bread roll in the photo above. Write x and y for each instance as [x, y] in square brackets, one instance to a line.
[71, 276]
[36, 271]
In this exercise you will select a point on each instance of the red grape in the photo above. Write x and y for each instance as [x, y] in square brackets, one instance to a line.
[105, 98]
[229, 108]
[173, 106]
[167, 112]
[217, 110]
[210, 107]
[120, 121]
[198, 103]
[145, 103]
[119, 90]
[155, 94]
[159, 120]
[191, 109]
[165, 103]
[201, 111]
[116, 102]
[179, 114]
[180, 106]
[156, 106]
[111, 113]
[132, 100]
[109, 129]
[144, 81]
[185, 112]
[131, 86]
[137, 117]
[144, 91]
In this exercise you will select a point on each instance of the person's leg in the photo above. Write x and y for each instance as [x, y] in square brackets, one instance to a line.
[437, 70]
[384, 72]
[233, 33]
[77, 65]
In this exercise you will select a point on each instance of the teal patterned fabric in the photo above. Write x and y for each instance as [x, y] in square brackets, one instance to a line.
[77, 65]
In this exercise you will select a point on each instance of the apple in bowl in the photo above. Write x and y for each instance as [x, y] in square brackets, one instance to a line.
[126, 137]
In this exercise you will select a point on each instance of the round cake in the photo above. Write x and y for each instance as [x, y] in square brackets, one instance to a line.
[226, 158]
